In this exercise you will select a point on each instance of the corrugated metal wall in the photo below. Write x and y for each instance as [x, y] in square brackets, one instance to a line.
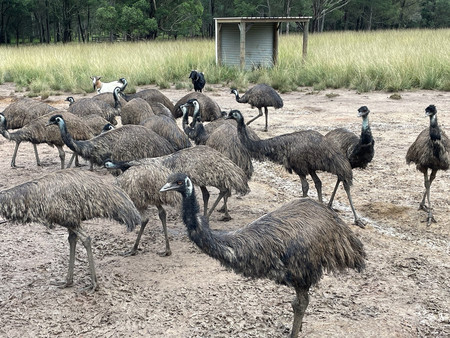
[230, 44]
[258, 45]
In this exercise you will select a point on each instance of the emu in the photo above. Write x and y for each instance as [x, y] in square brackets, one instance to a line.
[206, 166]
[209, 109]
[429, 151]
[67, 198]
[220, 134]
[358, 150]
[20, 113]
[37, 133]
[292, 245]
[198, 80]
[260, 96]
[303, 152]
[126, 143]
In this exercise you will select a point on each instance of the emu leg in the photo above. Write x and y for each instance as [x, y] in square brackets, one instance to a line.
[358, 221]
[38, 161]
[259, 115]
[72, 244]
[266, 113]
[299, 306]
[86, 241]
[226, 217]
[162, 216]
[13, 160]
[430, 217]
[134, 250]
[305, 185]
[205, 195]
[330, 202]
[318, 184]
[71, 160]
[221, 195]
[62, 156]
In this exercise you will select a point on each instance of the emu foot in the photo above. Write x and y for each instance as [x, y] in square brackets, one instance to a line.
[62, 284]
[132, 252]
[166, 253]
[423, 207]
[430, 219]
[225, 218]
[360, 223]
[222, 210]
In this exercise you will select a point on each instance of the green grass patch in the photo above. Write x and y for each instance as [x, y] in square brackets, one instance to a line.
[392, 61]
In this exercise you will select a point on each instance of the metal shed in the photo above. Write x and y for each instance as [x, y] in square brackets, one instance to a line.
[252, 42]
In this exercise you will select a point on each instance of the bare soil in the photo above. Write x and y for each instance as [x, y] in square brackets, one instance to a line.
[404, 291]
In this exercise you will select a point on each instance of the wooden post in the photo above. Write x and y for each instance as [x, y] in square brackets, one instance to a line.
[242, 28]
[275, 42]
[305, 40]
[218, 44]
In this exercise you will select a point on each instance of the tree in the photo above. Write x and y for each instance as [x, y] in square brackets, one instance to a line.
[182, 17]
[323, 7]
[134, 22]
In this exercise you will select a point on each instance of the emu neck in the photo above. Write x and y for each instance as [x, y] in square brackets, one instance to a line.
[200, 233]
[435, 132]
[199, 134]
[189, 131]
[366, 134]
[67, 138]
[4, 131]
[117, 103]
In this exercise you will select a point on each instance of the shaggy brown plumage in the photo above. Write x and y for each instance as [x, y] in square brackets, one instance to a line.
[220, 134]
[292, 245]
[208, 108]
[36, 131]
[142, 183]
[126, 143]
[89, 106]
[207, 168]
[152, 96]
[67, 198]
[430, 151]
[21, 112]
[260, 96]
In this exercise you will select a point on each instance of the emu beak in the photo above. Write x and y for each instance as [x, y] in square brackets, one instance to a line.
[168, 186]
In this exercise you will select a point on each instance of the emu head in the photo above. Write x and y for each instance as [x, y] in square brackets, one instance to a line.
[55, 119]
[430, 110]
[70, 99]
[363, 111]
[125, 83]
[107, 127]
[235, 115]
[179, 182]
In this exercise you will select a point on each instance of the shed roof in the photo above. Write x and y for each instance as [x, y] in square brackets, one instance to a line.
[265, 19]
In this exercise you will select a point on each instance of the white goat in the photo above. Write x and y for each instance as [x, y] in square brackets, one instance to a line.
[106, 87]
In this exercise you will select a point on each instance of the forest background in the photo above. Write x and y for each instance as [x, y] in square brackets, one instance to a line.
[53, 21]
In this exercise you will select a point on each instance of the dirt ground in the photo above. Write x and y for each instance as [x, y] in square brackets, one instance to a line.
[404, 291]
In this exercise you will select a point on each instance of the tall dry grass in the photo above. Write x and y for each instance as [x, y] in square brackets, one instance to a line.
[365, 61]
